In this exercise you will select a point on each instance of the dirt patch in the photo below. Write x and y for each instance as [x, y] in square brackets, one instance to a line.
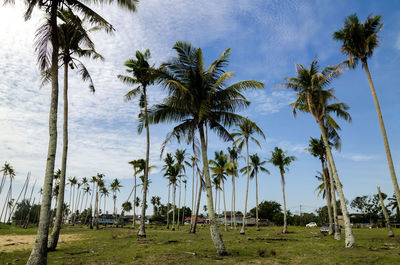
[10, 243]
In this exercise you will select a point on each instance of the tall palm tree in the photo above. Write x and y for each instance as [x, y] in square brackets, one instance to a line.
[233, 171]
[5, 169]
[93, 180]
[200, 99]
[314, 98]
[243, 134]
[282, 161]
[173, 173]
[218, 168]
[74, 41]
[99, 186]
[317, 149]
[180, 161]
[385, 214]
[8, 201]
[115, 187]
[138, 166]
[142, 77]
[39, 251]
[358, 43]
[169, 161]
[255, 167]
[184, 201]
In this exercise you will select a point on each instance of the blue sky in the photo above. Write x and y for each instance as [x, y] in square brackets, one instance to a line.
[267, 39]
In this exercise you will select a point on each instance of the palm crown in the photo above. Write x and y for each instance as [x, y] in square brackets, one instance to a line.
[359, 39]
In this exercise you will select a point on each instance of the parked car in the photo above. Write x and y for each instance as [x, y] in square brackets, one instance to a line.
[325, 228]
[312, 224]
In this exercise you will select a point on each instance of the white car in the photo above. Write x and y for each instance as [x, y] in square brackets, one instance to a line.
[312, 224]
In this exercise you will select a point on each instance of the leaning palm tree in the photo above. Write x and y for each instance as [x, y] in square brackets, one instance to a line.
[314, 98]
[5, 169]
[39, 251]
[142, 77]
[243, 134]
[282, 161]
[359, 41]
[255, 167]
[200, 99]
[218, 168]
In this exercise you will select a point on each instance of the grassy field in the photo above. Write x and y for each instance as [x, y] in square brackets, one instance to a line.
[268, 246]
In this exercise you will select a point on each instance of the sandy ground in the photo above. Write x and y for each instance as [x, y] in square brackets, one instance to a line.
[10, 243]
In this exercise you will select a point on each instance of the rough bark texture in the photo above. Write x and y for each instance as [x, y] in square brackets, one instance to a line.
[384, 135]
[53, 239]
[284, 202]
[142, 227]
[385, 213]
[215, 234]
[349, 238]
[39, 252]
[242, 231]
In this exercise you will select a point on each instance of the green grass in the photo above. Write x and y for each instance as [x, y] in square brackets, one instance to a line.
[300, 246]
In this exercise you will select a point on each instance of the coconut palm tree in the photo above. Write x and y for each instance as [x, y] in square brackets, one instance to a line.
[173, 174]
[127, 206]
[218, 168]
[184, 201]
[115, 187]
[317, 149]
[242, 135]
[314, 98]
[358, 43]
[169, 161]
[142, 77]
[255, 167]
[74, 41]
[180, 161]
[39, 251]
[200, 99]
[99, 186]
[9, 171]
[282, 161]
[5, 169]
[385, 214]
[138, 166]
[93, 180]
[233, 171]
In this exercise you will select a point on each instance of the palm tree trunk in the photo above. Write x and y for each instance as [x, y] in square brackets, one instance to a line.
[39, 251]
[173, 206]
[233, 188]
[197, 205]
[216, 199]
[257, 225]
[96, 208]
[223, 193]
[169, 191]
[179, 200]
[53, 239]
[234, 202]
[184, 205]
[384, 135]
[142, 227]
[191, 217]
[242, 232]
[134, 205]
[284, 203]
[328, 198]
[215, 235]
[337, 234]
[349, 239]
[385, 213]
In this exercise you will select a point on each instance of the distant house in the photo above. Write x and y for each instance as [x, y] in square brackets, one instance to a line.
[199, 220]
